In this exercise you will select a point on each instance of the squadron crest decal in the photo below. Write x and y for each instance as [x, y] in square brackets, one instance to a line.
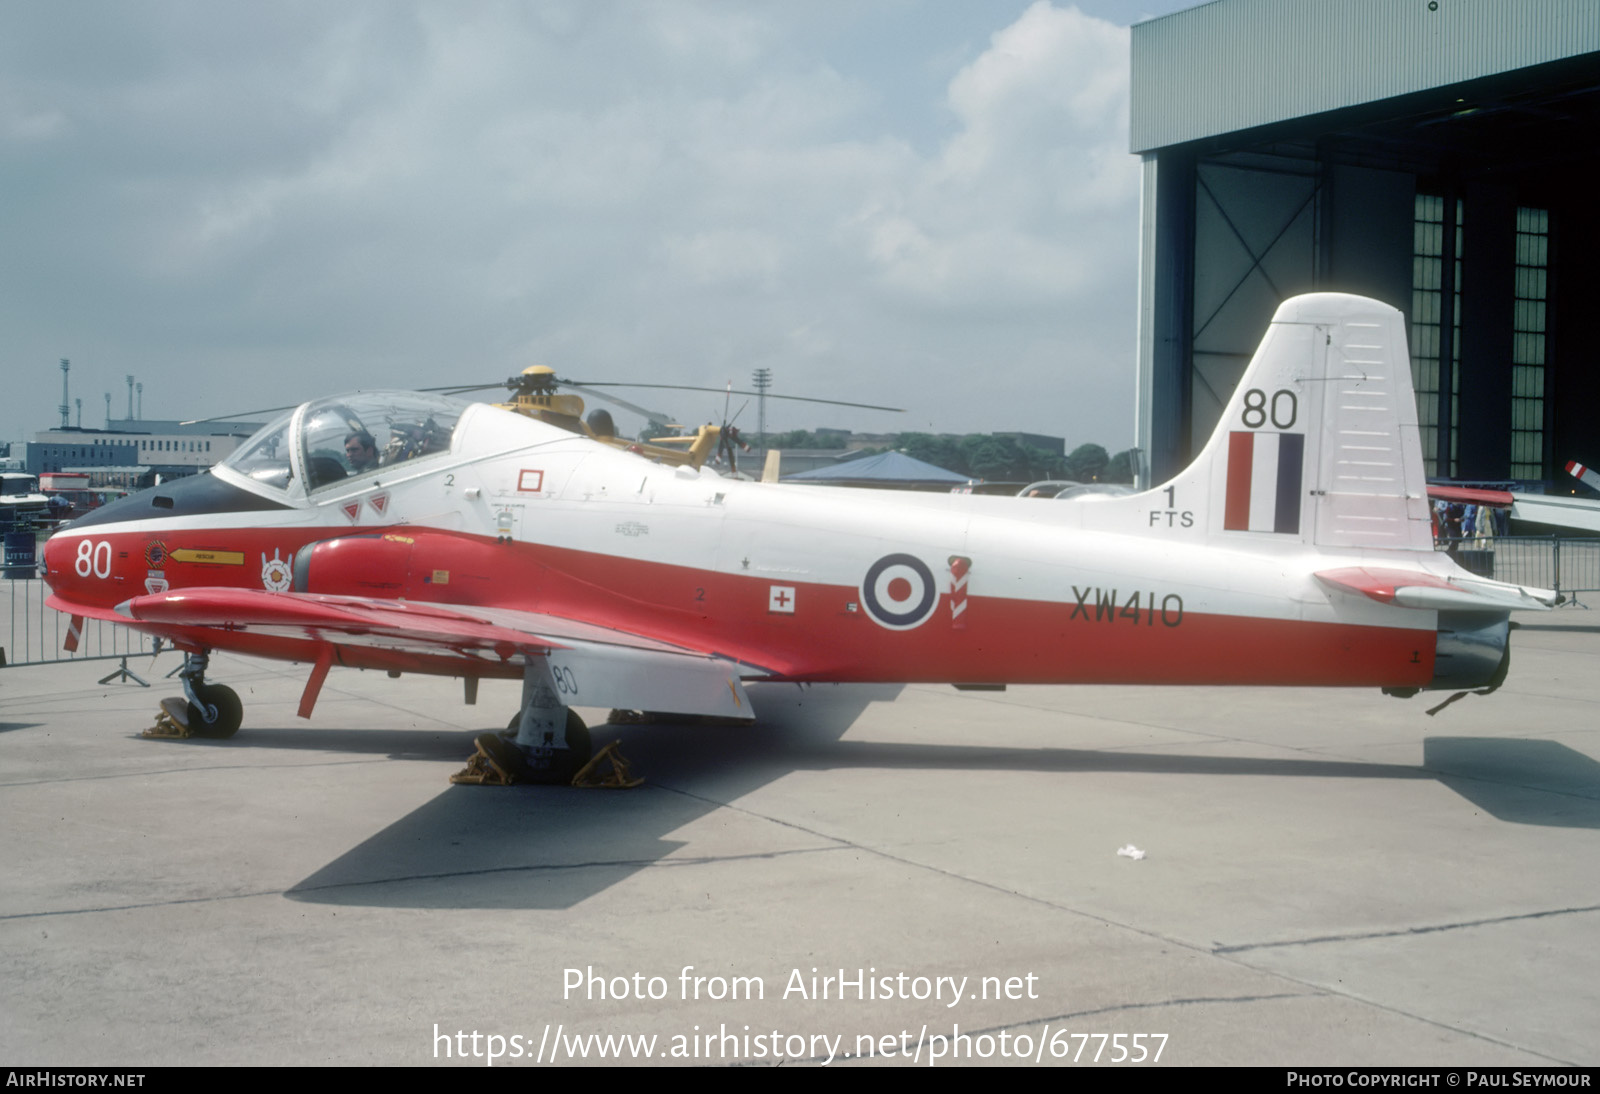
[276, 573]
[155, 556]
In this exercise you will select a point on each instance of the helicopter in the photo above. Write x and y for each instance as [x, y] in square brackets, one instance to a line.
[535, 394]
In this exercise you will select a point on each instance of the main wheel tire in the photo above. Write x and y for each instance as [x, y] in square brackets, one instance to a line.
[219, 714]
[578, 740]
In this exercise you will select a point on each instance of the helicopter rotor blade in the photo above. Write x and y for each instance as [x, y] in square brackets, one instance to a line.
[241, 414]
[652, 415]
[448, 389]
[457, 389]
[614, 400]
[770, 395]
[454, 389]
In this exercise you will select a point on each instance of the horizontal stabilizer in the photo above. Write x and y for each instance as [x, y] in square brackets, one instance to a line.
[1418, 589]
[1578, 514]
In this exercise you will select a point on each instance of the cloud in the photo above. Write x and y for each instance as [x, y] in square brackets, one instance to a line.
[1008, 212]
[309, 197]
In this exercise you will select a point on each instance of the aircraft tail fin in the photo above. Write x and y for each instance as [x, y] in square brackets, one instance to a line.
[1319, 442]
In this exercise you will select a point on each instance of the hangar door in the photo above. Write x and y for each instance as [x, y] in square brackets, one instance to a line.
[1255, 245]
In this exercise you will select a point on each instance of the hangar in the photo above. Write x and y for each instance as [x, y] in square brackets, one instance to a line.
[1439, 155]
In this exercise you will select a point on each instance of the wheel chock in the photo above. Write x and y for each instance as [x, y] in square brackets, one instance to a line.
[620, 778]
[496, 763]
[172, 721]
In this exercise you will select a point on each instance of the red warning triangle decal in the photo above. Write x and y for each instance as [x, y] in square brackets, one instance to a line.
[379, 503]
[351, 509]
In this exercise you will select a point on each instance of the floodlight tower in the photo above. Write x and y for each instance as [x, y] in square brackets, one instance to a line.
[80, 412]
[762, 378]
[139, 387]
[108, 410]
[130, 396]
[66, 366]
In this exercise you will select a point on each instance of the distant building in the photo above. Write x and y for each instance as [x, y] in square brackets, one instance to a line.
[59, 450]
[893, 470]
[872, 440]
[169, 448]
[805, 459]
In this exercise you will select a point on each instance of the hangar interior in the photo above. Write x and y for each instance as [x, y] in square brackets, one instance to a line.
[1438, 156]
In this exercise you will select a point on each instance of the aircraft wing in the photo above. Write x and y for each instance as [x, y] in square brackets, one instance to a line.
[1416, 589]
[602, 665]
[1581, 515]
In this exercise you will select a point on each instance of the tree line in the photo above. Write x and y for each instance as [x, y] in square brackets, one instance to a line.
[987, 456]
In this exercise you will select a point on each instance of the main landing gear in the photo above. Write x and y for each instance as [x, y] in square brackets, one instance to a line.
[546, 741]
[204, 710]
[503, 759]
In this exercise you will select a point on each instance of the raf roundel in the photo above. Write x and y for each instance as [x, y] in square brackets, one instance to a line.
[899, 592]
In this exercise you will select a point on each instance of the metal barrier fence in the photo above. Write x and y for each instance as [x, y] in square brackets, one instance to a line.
[1569, 566]
[36, 634]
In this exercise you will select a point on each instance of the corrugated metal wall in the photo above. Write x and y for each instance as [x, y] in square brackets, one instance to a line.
[1236, 64]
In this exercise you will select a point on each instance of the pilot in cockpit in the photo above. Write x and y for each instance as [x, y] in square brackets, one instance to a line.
[360, 451]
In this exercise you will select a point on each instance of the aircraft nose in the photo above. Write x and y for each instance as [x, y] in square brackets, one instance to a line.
[54, 559]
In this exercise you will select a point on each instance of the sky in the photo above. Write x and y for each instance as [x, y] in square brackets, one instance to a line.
[921, 203]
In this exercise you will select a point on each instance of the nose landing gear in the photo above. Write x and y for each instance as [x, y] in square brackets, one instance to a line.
[204, 710]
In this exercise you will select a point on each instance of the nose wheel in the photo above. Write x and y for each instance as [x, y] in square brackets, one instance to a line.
[215, 711]
[204, 710]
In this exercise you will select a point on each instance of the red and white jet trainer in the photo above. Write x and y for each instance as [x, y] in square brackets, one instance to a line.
[1296, 550]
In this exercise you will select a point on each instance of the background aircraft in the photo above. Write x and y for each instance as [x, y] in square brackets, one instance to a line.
[1578, 514]
[1556, 512]
[1296, 550]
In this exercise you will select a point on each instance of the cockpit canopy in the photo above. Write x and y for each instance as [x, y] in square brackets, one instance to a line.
[324, 443]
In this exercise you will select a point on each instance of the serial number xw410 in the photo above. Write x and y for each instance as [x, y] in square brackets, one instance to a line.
[1101, 606]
